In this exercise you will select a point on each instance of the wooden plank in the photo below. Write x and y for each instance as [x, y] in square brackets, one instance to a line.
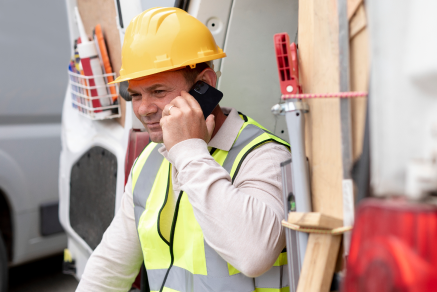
[358, 21]
[352, 7]
[313, 220]
[359, 68]
[319, 69]
[94, 12]
[318, 66]
[319, 263]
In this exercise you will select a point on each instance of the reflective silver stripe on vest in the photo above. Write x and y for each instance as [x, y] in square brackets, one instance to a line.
[273, 278]
[182, 280]
[215, 265]
[156, 277]
[145, 182]
[218, 267]
[249, 133]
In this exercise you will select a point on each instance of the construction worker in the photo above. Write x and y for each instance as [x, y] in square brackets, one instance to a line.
[202, 208]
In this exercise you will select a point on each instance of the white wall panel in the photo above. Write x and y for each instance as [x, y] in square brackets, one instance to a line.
[249, 79]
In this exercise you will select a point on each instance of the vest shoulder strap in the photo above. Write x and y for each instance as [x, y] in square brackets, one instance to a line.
[251, 136]
[141, 160]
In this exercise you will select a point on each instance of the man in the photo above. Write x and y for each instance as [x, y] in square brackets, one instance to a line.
[202, 211]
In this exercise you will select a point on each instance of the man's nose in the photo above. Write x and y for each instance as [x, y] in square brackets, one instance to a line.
[147, 107]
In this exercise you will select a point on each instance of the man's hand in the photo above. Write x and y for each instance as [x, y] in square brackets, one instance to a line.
[182, 119]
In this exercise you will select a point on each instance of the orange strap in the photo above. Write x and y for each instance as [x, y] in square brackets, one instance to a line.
[105, 59]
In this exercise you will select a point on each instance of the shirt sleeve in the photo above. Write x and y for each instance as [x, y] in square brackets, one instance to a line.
[241, 221]
[115, 263]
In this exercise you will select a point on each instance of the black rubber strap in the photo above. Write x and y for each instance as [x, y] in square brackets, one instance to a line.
[123, 91]
[182, 4]
[120, 17]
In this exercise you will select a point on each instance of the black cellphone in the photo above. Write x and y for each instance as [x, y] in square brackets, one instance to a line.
[207, 96]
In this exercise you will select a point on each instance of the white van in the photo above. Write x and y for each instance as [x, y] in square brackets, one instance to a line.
[34, 50]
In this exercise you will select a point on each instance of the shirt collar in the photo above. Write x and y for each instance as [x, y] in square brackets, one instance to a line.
[226, 135]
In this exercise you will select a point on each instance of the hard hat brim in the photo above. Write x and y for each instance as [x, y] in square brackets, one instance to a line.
[145, 73]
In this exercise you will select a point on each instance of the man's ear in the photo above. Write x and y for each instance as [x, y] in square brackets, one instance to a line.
[208, 76]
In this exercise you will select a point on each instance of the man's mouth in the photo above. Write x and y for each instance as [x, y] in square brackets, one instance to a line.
[153, 126]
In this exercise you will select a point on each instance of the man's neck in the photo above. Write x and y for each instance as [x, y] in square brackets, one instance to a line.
[219, 119]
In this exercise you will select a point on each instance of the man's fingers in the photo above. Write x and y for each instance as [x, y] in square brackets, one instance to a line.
[181, 103]
[190, 99]
[168, 109]
[162, 121]
[210, 125]
[187, 104]
[192, 103]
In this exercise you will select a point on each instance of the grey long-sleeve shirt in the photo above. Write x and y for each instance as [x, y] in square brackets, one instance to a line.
[241, 221]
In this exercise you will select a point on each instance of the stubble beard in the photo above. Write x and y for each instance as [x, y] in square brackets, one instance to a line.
[156, 137]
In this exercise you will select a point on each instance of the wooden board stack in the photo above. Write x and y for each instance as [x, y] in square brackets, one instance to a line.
[319, 69]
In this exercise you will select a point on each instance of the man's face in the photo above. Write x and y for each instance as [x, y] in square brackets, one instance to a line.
[149, 96]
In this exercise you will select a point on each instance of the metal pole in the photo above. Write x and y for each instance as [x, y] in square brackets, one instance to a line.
[345, 121]
[296, 130]
[292, 243]
[294, 115]
[296, 181]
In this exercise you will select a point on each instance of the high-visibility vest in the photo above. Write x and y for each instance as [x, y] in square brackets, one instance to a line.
[186, 262]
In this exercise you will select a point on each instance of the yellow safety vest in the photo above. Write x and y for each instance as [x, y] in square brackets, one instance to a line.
[186, 262]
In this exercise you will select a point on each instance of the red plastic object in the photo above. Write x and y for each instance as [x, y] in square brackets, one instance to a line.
[393, 248]
[137, 142]
[286, 58]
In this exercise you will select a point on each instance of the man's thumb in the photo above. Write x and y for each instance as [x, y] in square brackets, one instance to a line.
[210, 125]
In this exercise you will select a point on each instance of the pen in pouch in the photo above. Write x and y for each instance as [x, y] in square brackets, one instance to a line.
[73, 87]
[81, 80]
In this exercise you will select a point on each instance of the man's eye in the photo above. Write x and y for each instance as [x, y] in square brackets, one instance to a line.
[158, 91]
[135, 95]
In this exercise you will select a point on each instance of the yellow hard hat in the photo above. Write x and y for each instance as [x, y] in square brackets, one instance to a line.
[162, 39]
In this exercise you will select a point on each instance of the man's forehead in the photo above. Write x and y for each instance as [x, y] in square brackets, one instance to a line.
[159, 78]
